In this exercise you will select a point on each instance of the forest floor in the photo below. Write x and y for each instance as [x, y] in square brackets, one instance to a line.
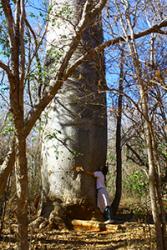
[130, 235]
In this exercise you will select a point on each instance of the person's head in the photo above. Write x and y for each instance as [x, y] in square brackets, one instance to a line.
[105, 170]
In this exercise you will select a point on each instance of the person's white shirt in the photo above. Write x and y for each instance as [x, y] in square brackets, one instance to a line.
[100, 180]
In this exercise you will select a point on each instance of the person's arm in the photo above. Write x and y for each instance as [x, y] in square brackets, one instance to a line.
[80, 169]
[88, 173]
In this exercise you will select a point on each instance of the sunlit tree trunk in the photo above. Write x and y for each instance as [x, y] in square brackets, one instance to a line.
[154, 185]
[22, 191]
[16, 77]
[154, 174]
[154, 177]
[76, 129]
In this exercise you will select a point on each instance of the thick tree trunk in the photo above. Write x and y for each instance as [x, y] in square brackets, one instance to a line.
[76, 128]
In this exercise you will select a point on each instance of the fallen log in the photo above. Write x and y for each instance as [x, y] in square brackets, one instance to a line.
[96, 226]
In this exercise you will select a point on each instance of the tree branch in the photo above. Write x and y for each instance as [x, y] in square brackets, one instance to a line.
[117, 40]
[5, 68]
[22, 45]
[139, 160]
[9, 18]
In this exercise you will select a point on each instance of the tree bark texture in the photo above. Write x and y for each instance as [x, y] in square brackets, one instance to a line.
[22, 193]
[16, 76]
[76, 127]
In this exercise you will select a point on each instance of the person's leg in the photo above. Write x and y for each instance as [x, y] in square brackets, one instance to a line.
[104, 204]
[102, 199]
[107, 214]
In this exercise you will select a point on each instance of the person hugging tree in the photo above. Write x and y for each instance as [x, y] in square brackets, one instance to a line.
[103, 202]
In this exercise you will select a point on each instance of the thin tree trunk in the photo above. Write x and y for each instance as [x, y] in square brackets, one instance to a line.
[155, 196]
[158, 191]
[153, 181]
[153, 173]
[6, 169]
[148, 130]
[156, 158]
[22, 193]
[3, 204]
[118, 193]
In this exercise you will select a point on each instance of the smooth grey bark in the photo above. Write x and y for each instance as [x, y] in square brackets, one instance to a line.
[76, 127]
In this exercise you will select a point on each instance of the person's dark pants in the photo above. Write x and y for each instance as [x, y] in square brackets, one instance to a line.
[107, 214]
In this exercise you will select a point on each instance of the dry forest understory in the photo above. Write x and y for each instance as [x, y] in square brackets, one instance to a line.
[131, 232]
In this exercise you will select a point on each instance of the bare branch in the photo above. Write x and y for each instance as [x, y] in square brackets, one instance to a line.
[62, 75]
[159, 84]
[154, 29]
[117, 40]
[35, 54]
[5, 68]
[22, 46]
[162, 32]
[9, 18]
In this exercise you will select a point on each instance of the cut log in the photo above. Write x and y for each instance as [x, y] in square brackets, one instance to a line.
[96, 226]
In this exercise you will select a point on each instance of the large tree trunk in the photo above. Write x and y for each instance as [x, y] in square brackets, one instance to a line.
[76, 128]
